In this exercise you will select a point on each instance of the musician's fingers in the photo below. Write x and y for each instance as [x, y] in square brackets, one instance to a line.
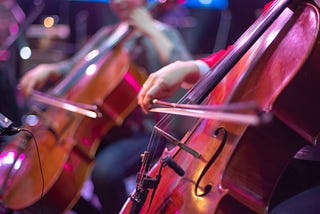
[145, 98]
[157, 90]
[144, 90]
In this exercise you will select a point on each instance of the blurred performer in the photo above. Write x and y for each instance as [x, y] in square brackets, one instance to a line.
[11, 17]
[153, 45]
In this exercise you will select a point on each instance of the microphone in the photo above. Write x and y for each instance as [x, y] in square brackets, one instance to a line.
[6, 127]
[173, 165]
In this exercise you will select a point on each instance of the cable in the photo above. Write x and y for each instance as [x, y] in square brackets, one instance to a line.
[38, 155]
[11, 130]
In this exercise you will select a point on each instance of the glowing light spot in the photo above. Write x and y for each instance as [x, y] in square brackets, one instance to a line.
[18, 163]
[9, 158]
[91, 69]
[48, 22]
[31, 120]
[25, 53]
[92, 54]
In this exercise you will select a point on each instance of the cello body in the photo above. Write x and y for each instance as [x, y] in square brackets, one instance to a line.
[67, 141]
[239, 165]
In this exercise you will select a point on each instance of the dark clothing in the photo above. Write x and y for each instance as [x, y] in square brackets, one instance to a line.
[298, 189]
[304, 202]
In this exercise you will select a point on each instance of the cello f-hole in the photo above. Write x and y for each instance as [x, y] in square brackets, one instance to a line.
[208, 187]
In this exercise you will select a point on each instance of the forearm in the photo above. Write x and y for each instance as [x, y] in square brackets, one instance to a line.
[179, 50]
[191, 71]
[162, 44]
[168, 44]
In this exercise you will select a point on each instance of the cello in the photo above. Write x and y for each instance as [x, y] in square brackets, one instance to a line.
[70, 130]
[225, 166]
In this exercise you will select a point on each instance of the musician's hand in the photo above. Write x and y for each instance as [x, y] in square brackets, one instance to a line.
[166, 81]
[141, 19]
[37, 77]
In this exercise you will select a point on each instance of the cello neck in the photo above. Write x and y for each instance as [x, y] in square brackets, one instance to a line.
[117, 36]
[200, 91]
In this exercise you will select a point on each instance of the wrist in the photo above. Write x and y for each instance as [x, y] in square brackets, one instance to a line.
[191, 74]
[202, 67]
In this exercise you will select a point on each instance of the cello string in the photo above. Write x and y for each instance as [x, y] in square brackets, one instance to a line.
[152, 142]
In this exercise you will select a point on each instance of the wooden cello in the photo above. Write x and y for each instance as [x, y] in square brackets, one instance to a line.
[222, 166]
[70, 130]
[68, 140]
